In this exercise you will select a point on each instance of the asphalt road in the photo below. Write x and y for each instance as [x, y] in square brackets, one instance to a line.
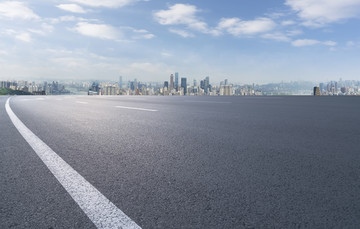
[187, 162]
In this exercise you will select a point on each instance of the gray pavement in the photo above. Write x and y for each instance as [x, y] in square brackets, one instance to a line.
[197, 162]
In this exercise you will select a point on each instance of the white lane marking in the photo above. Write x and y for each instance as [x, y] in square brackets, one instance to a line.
[102, 212]
[32, 99]
[189, 101]
[136, 108]
[81, 102]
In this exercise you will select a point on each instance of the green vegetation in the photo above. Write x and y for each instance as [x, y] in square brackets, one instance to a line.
[8, 91]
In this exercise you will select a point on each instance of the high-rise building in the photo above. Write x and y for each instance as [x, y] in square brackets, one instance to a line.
[166, 84]
[343, 90]
[184, 85]
[206, 84]
[120, 82]
[108, 90]
[317, 91]
[176, 81]
[336, 86]
[171, 82]
[226, 90]
[136, 85]
[132, 86]
[93, 90]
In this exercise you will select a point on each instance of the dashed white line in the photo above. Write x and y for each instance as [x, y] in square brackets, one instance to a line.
[136, 108]
[81, 102]
[102, 212]
[189, 101]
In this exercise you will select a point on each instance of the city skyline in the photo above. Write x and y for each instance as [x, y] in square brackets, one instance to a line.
[203, 87]
[245, 42]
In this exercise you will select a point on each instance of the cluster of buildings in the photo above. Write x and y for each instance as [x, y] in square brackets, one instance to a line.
[181, 86]
[174, 86]
[338, 88]
[34, 88]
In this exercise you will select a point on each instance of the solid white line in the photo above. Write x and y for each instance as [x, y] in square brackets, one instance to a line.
[136, 108]
[102, 212]
[81, 102]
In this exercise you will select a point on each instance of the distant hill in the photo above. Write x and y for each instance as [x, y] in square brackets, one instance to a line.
[8, 91]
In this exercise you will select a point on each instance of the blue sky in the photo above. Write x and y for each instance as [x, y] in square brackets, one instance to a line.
[244, 41]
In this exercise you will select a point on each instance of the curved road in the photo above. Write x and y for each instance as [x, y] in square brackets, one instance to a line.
[186, 162]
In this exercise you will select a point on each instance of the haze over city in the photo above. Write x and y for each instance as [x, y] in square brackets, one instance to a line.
[243, 41]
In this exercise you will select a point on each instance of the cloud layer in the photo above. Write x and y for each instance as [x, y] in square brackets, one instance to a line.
[16, 10]
[321, 12]
[238, 27]
[98, 30]
[74, 8]
[183, 14]
[105, 3]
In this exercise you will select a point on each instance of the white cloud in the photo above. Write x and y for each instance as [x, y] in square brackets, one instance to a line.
[25, 37]
[140, 31]
[177, 14]
[164, 54]
[184, 14]
[330, 43]
[353, 44]
[350, 43]
[276, 37]
[74, 8]
[182, 33]
[21, 36]
[148, 36]
[136, 33]
[309, 42]
[295, 32]
[37, 31]
[238, 27]
[16, 10]
[105, 3]
[71, 18]
[44, 30]
[109, 32]
[288, 22]
[47, 28]
[304, 42]
[144, 36]
[317, 13]
[98, 30]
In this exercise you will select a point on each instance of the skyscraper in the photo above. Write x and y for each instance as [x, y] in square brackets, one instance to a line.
[184, 85]
[317, 91]
[206, 84]
[176, 81]
[171, 82]
[120, 82]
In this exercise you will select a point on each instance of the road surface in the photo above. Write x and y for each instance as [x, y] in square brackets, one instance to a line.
[185, 162]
